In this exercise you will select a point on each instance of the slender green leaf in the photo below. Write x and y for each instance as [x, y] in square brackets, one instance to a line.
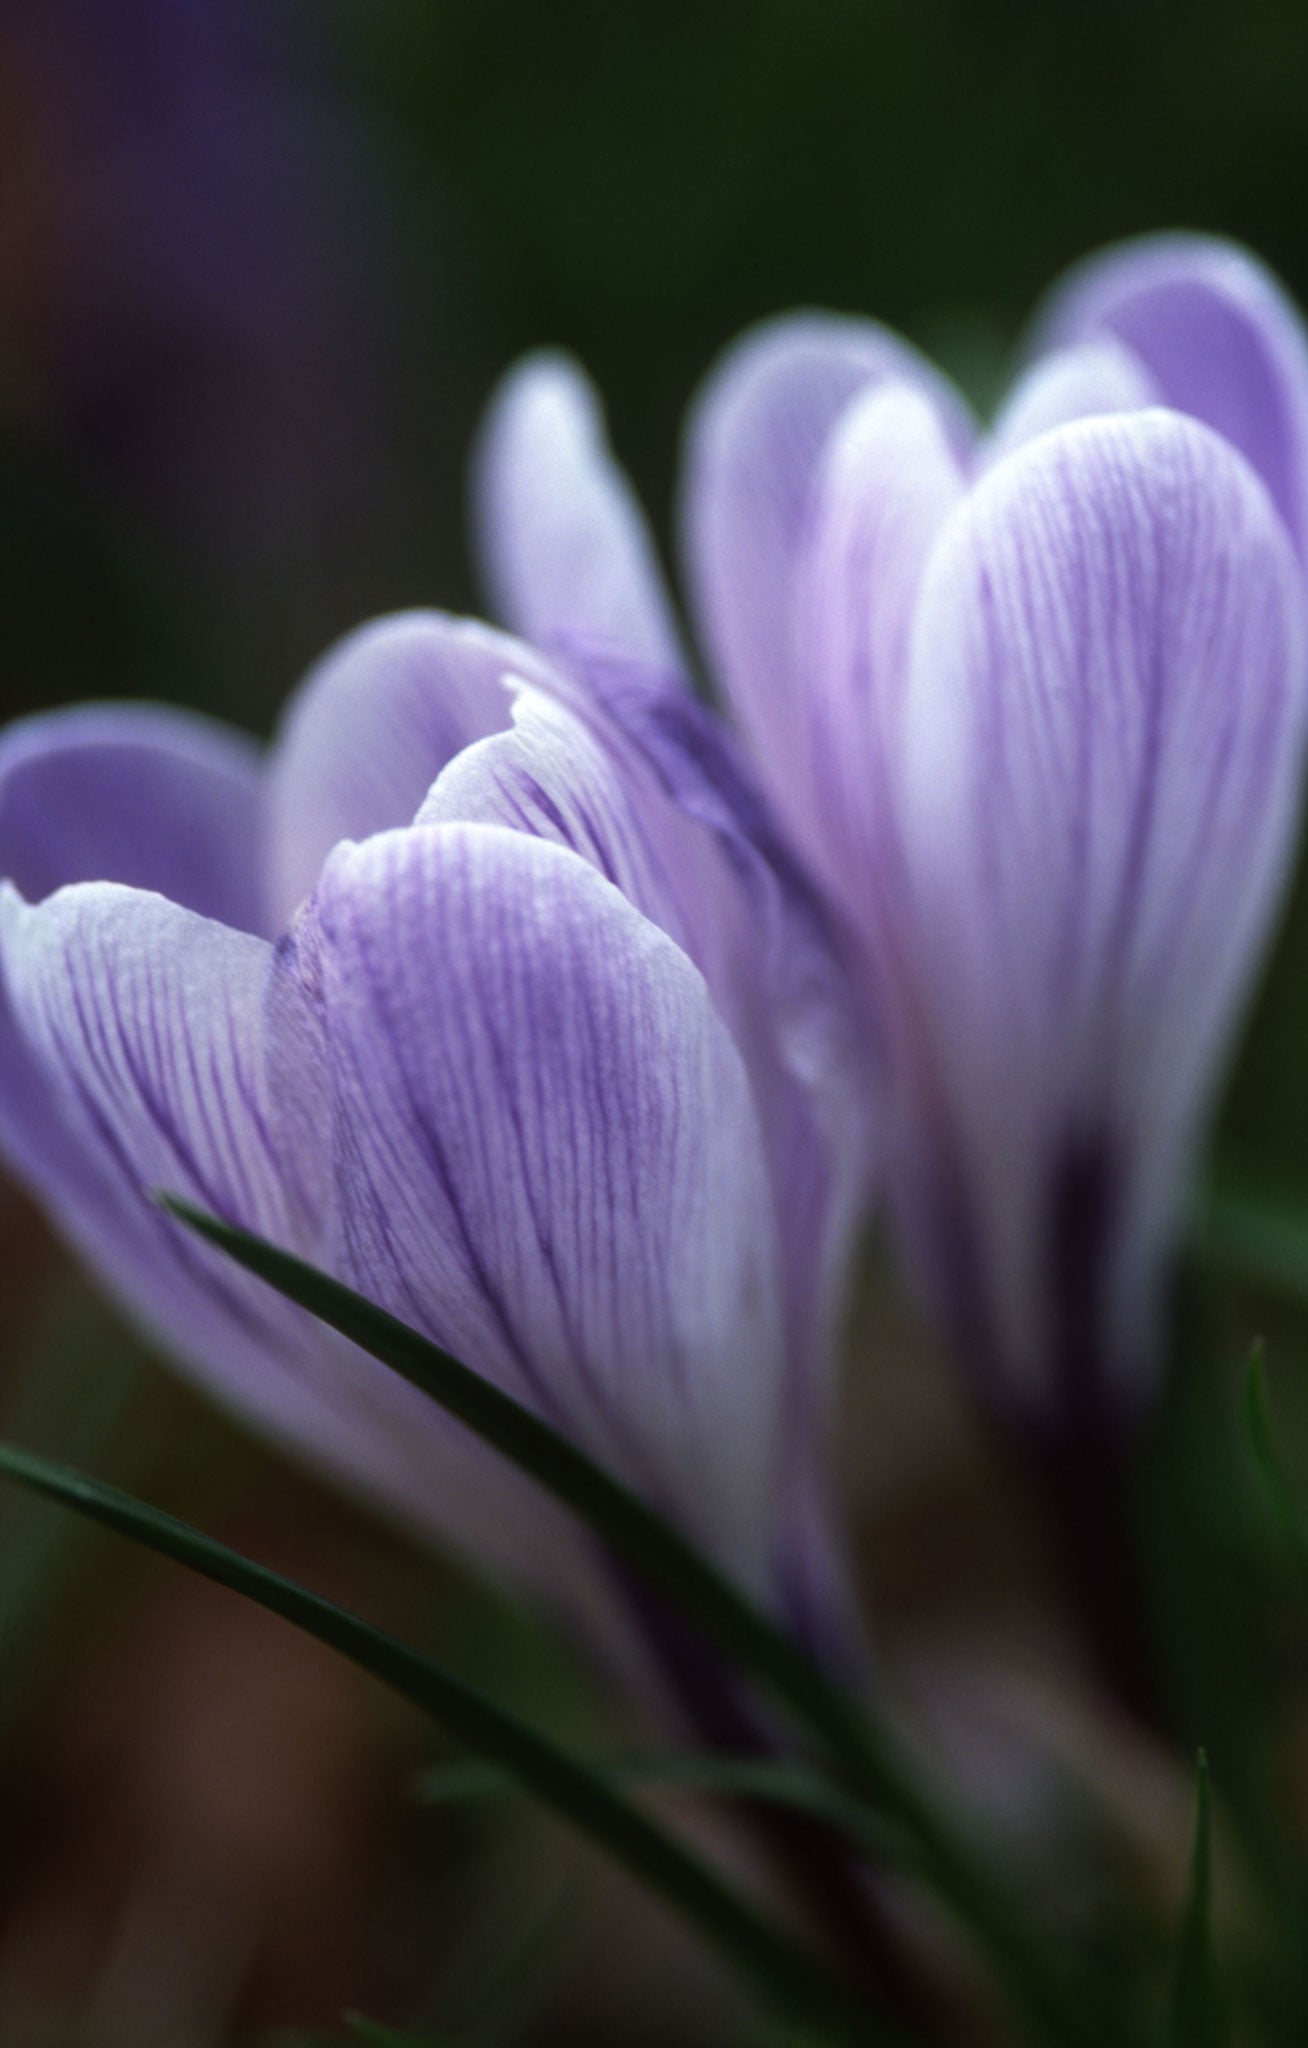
[761, 1779]
[784, 1973]
[1284, 1510]
[1062, 2015]
[624, 1521]
[1199, 2016]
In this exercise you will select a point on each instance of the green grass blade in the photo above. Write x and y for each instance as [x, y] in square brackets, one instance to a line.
[1281, 1504]
[770, 1781]
[1199, 2016]
[616, 1514]
[866, 1755]
[783, 1973]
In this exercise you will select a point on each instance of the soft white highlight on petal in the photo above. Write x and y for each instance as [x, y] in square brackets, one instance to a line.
[755, 441]
[1219, 337]
[124, 793]
[1070, 384]
[565, 550]
[145, 1022]
[369, 730]
[550, 776]
[1104, 732]
[885, 487]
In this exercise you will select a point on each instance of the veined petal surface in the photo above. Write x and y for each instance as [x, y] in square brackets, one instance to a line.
[565, 550]
[1104, 737]
[150, 1029]
[126, 793]
[755, 441]
[369, 730]
[548, 1158]
[1219, 338]
[1075, 383]
[134, 793]
[885, 486]
[144, 1023]
[645, 784]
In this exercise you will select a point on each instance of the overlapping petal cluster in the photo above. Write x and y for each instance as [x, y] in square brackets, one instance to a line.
[494, 989]
[489, 990]
[1031, 704]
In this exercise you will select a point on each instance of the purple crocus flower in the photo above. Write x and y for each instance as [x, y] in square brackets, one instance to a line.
[1031, 704]
[486, 990]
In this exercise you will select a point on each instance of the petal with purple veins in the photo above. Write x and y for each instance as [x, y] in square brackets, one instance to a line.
[755, 444]
[886, 485]
[1076, 383]
[134, 794]
[644, 784]
[1104, 729]
[370, 729]
[1218, 336]
[548, 1158]
[148, 1028]
[566, 554]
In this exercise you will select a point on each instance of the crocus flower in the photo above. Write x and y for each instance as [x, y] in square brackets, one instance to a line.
[486, 990]
[1031, 704]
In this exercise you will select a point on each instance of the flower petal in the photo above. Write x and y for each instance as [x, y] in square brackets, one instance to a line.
[370, 729]
[549, 1160]
[1104, 736]
[885, 486]
[132, 793]
[149, 1030]
[126, 793]
[1218, 336]
[642, 782]
[756, 439]
[144, 1024]
[550, 776]
[1070, 384]
[566, 553]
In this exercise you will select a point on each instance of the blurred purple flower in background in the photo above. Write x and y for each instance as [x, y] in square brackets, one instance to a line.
[183, 257]
[554, 1058]
[1031, 705]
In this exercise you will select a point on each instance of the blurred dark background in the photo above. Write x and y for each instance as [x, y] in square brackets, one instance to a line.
[261, 262]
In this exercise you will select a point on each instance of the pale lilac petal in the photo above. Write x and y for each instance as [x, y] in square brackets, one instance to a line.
[1104, 739]
[551, 777]
[147, 1026]
[125, 793]
[133, 793]
[643, 783]
[1075, 383]
[370, 729]
[548, 1158]
[144, 1023]
[1218, 336]
[885, 487]
[566, 553]
[756, 439]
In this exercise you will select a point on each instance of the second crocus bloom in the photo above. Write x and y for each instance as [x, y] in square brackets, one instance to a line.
[486, 990]
[1032, 706]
